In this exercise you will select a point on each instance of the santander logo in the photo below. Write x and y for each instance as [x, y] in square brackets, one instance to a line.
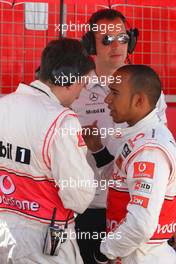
[6, 184]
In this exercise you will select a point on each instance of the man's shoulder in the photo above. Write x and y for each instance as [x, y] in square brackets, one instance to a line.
[156, 137]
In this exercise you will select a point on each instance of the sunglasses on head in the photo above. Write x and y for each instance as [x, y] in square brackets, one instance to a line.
[122, 38]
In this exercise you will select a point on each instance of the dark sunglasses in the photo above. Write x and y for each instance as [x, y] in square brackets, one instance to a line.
[122, 38]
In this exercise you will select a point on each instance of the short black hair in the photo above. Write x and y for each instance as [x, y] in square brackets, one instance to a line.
[107, 13]
[144, 78]
[67, 54]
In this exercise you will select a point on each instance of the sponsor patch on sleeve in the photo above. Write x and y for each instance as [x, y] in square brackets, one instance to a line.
[81, 141]
[139, 200]
[143, 170]
[142, 187]
[126, 150]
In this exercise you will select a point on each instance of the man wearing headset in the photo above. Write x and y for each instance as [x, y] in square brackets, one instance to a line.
[110, 43]
[42, 157]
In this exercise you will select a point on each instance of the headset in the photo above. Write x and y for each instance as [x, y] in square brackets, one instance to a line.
[89, 43]
[64, 74]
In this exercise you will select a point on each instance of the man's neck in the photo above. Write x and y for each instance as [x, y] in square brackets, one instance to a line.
[104, 71]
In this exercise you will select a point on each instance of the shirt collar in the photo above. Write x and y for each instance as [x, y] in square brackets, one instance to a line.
[41, 86]
[149, 120]
[92, 84]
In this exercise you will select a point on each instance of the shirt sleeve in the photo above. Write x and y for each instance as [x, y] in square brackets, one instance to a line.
[147, 179]
[69, 166]
[161, 108]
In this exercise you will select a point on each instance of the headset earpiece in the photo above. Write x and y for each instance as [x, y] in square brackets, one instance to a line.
[133, 33]
[63, 75]
[88, 41]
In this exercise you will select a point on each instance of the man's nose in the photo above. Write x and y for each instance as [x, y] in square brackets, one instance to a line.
[115, 43]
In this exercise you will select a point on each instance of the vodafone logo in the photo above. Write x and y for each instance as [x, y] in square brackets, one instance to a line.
[7, 187]
[142, 167]
[168, 228]
[6, 184]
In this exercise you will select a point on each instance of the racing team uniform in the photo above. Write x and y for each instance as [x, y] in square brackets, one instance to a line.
[42, 159]
[142, 197]
[90, 107]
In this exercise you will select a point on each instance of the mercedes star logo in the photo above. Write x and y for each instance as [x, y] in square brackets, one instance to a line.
[93, 97]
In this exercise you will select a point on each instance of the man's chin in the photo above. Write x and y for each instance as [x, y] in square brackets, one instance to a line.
[115, 120]
[117, 61]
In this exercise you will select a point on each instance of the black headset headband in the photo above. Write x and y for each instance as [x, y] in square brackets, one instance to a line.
[63, 74]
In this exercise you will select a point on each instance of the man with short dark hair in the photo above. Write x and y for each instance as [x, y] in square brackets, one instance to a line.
[142, 199]
[110, 44]
[42, 160]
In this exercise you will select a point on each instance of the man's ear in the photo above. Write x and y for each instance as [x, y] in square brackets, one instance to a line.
[139, 99]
